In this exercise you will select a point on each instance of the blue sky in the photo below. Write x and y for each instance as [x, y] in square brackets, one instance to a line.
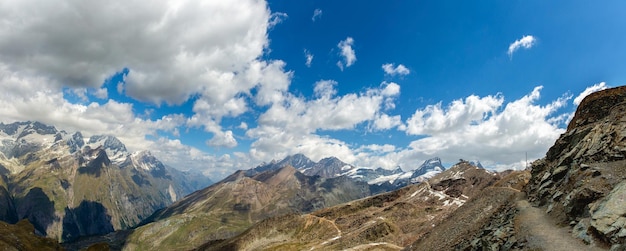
[220, 86]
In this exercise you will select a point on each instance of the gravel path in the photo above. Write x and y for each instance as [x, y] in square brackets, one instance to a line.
[541, 232]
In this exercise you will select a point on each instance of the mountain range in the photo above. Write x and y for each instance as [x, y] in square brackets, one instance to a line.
[68, 186]
[379, 179]
[572, 199]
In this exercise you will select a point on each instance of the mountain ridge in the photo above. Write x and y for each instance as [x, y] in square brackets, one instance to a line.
[231, 205]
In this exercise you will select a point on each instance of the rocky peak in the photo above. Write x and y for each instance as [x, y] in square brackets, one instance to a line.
[146, 161]
[21, 129]
[328, 168]
[114, 147]
[298, 161]
[76, 142]
[108, 142]
[597, 106]
[429, 165]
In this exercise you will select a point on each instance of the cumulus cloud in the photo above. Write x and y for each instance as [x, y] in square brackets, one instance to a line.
[317, 13]
[398, 70]
[170, 50]
[386, 122]
[486, 128]
[292, 126]
[308, 57]
[591, 89]
[346, 51]
[525, 42]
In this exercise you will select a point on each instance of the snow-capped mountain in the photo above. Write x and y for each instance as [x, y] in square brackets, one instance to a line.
[116, 150]
[379, 179]
[427, 170]
[52, 178]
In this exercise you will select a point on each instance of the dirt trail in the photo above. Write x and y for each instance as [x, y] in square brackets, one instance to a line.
[542, 233]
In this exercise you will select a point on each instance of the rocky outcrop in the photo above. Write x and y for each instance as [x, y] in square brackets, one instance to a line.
[581, 180]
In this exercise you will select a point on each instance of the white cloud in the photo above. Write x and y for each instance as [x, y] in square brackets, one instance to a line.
[591, 89]
[349, 57]
[386, 122]
[386, 148]
[325, 88]
[276, 18]
[525, 42]
[292, 126]
[168, 48]
[481, 128]
[317, 13]
[309, 58]
[223, 139]
[101, 93]
[398, 70]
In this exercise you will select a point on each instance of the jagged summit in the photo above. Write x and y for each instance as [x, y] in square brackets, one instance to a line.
[21, 129]
[113, 146]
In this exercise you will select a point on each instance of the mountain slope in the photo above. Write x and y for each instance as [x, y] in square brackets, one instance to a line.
[386, 221]
[68, 188]
[21, 236]
[235, 203]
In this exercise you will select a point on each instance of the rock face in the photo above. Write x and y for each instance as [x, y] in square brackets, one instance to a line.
[232, 205]
[68, 188]
[582, 179]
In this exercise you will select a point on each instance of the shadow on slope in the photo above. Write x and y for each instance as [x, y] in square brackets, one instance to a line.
[89, 218]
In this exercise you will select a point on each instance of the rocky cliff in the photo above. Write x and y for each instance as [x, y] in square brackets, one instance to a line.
[582, 180]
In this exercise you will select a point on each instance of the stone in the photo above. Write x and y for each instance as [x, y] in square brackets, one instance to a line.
[609, 217]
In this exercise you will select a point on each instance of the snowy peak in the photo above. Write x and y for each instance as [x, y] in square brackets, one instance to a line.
[428, 169]
[328, 168]
[298, 161]
[19, 138]
[114, 147]
[34, 132]
[476, 163]
[22, 129]
[108, 142]
[76, 142]
[431, 164]
[146, 161]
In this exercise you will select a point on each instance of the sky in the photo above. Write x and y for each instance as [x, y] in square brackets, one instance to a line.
[218, 86]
